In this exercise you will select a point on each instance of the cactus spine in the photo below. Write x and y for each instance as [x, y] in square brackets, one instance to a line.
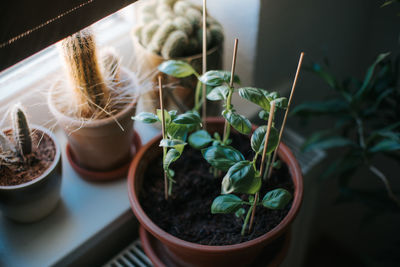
[172, 28]
[89, 87]
[21, 131]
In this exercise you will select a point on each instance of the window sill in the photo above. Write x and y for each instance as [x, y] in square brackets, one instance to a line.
[85, 210]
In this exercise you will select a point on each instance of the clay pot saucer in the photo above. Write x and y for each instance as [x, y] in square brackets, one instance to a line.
[103, 176]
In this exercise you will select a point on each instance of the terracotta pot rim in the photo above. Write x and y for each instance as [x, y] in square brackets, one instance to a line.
[103, 176]
[150, 226]
[187, 58]
[57, 158]
[99, 122]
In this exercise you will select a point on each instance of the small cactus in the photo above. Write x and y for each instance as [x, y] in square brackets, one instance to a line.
[12, 153]
[173, 28]
[21, 131]
[88, 84]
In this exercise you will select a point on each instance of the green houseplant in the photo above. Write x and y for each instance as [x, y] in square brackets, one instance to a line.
[30, 170]
[242, 178]
[101, 98]
[173, 30]
[365, 115]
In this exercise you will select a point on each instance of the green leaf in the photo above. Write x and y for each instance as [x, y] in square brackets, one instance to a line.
[173, 113]
[239, 122]
[176, 68]
[329, 142]
[217, 77]
[241, 178]
[171, 156]
[385, 145]
[226, 204]
[222, 157]
[172, 143]
[276, 199]
[320, 108]
[326, 76]
[146, 117]
[167, 116]
[256, 96]
[218, 93]
[281, 102]
[264, 115]
[369, 74]
[200, 139]
[258, 139]
[240, 212]
[177, 131]
[188, 118]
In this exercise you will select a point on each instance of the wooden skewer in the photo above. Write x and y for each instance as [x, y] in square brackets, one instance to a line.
[204, 110]
[286, 113]
[235, 47]
[163, 132]
[270, 118]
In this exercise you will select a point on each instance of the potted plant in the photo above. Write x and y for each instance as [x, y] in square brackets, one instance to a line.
[30, 170]
[173, 30]
[94, 109]
[220, 173]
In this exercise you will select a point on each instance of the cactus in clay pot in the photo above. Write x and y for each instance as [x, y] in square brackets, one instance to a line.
[16, 151]
[94, 80]
[172, 28]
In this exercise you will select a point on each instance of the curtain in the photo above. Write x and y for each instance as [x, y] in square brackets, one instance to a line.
[28, 26]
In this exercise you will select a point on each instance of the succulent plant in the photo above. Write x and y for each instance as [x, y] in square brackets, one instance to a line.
[86, 78]
[173, 29]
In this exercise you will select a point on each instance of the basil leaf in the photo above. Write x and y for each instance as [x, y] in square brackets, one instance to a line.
[171, 156]
[255, 95]
[276, 199]
[188, 118]
[386, 145]
[241, 178]
[258, 139]
[176, 68]
[218, 93]
[226, 204]
[167, 116]
[200, 139]
[171, 143]
[146, 117]
[239, 122]
[217, 77]
[281, 102]
[222, 157]
[177, 131]
[240, 212]
[264, 115]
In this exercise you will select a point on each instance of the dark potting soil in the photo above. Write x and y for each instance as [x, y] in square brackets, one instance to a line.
[35, 164]
[187, 213]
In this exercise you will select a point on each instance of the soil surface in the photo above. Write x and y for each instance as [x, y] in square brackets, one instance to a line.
[187, 213]
[35, 164]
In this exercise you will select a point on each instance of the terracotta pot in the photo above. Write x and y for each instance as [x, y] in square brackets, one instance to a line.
[99, 145]
[191, 254]
[181, 96]
[34, 200]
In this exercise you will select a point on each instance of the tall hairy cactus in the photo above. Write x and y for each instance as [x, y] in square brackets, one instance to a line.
[173, 28]
[89, 88]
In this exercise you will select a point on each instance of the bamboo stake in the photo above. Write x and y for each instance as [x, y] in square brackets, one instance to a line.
[163, 134]
[270, 118]
[235, 47]
[286, 113]
[204, 110]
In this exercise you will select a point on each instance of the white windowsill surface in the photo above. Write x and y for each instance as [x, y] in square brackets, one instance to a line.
[79, 216]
